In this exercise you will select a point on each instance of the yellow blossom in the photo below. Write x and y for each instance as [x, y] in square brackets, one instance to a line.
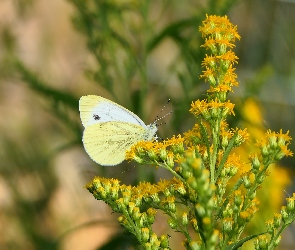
[230, 77]
[219, 25]
[220, 88]
[209, 61]
[228, 56]
[207, 73]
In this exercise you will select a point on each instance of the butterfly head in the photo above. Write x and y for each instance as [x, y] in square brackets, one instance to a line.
[150, 132]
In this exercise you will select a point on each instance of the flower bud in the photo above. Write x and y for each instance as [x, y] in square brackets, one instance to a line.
[154, 240]
[163, 154]
[184, 219]
[262, 242]
[272, 141]
[211, 80]
[227, 225]
[244, 218]
[247, 182]
[151, 212]
[136, 213]
[264, 150]
[152, 155]
[131, 206]
[233, 171]
[290, 204]
[284, 213]
[269, 226]
[114, 193]
[186, 175]
[214, 112]
[96, 183]
[155, 198]
[227, 212]
[194, 245]
[102, 193]
[172, 223]
[142, 220]
[200, 210]
[120, 204]
[171, 207]
[277, 220]
[215, 237]
[181, 190]
[170, 160]
[238, 198]
[164, 241]
[137, 199]
[207, 223]
[195, 225]
[167, 192]
[121, 219]
[145, 234]
[252, 195]
[138, 159]
[255, 162]
[148, 246]
[126, 198]
[278, 156]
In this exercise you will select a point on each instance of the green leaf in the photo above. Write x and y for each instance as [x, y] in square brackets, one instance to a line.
[44, 89]
[240, 243]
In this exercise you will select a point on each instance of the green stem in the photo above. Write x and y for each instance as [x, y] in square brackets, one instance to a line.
[172, 171]
[215, 137]
[237, 185]
[226, 154]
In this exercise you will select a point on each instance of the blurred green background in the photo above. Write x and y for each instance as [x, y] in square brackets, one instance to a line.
[138, 54]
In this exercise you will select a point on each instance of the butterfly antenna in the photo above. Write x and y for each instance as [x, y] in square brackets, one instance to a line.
[157, 117]
[287, 193]
[165, 105]
[160, 118]
[126, 170]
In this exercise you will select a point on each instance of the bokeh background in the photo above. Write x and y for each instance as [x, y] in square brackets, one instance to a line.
[139, 54]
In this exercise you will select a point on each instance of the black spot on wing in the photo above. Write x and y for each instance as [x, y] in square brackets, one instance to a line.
[96, 117]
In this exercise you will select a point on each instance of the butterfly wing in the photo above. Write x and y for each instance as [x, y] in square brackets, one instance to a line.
[95, 109]
[107, 142]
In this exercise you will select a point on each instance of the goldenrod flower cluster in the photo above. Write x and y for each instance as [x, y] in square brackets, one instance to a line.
[198, 201]
[129, 200]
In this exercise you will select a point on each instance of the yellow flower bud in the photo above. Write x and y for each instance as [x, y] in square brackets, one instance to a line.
[184, 219]
[145, 234]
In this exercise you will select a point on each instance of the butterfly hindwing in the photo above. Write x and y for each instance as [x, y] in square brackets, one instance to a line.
[107, 142]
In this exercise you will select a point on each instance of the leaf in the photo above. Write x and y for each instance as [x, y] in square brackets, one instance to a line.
[44, 89]
[240, 243]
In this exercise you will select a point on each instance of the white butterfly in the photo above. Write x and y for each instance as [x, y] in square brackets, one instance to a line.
[110, 129]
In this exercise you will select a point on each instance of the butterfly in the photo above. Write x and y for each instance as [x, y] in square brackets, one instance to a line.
[110, 129]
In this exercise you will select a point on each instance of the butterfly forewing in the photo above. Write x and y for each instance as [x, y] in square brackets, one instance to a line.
[96, 109]
[107, 142]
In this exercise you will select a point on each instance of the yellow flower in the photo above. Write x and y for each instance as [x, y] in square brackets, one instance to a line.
[200, 107]
[209, 61]
[286, 151]
[282, 138]
[220, 88]
[230, 77]
[217, 26]
[209, 75]
[228, 56]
